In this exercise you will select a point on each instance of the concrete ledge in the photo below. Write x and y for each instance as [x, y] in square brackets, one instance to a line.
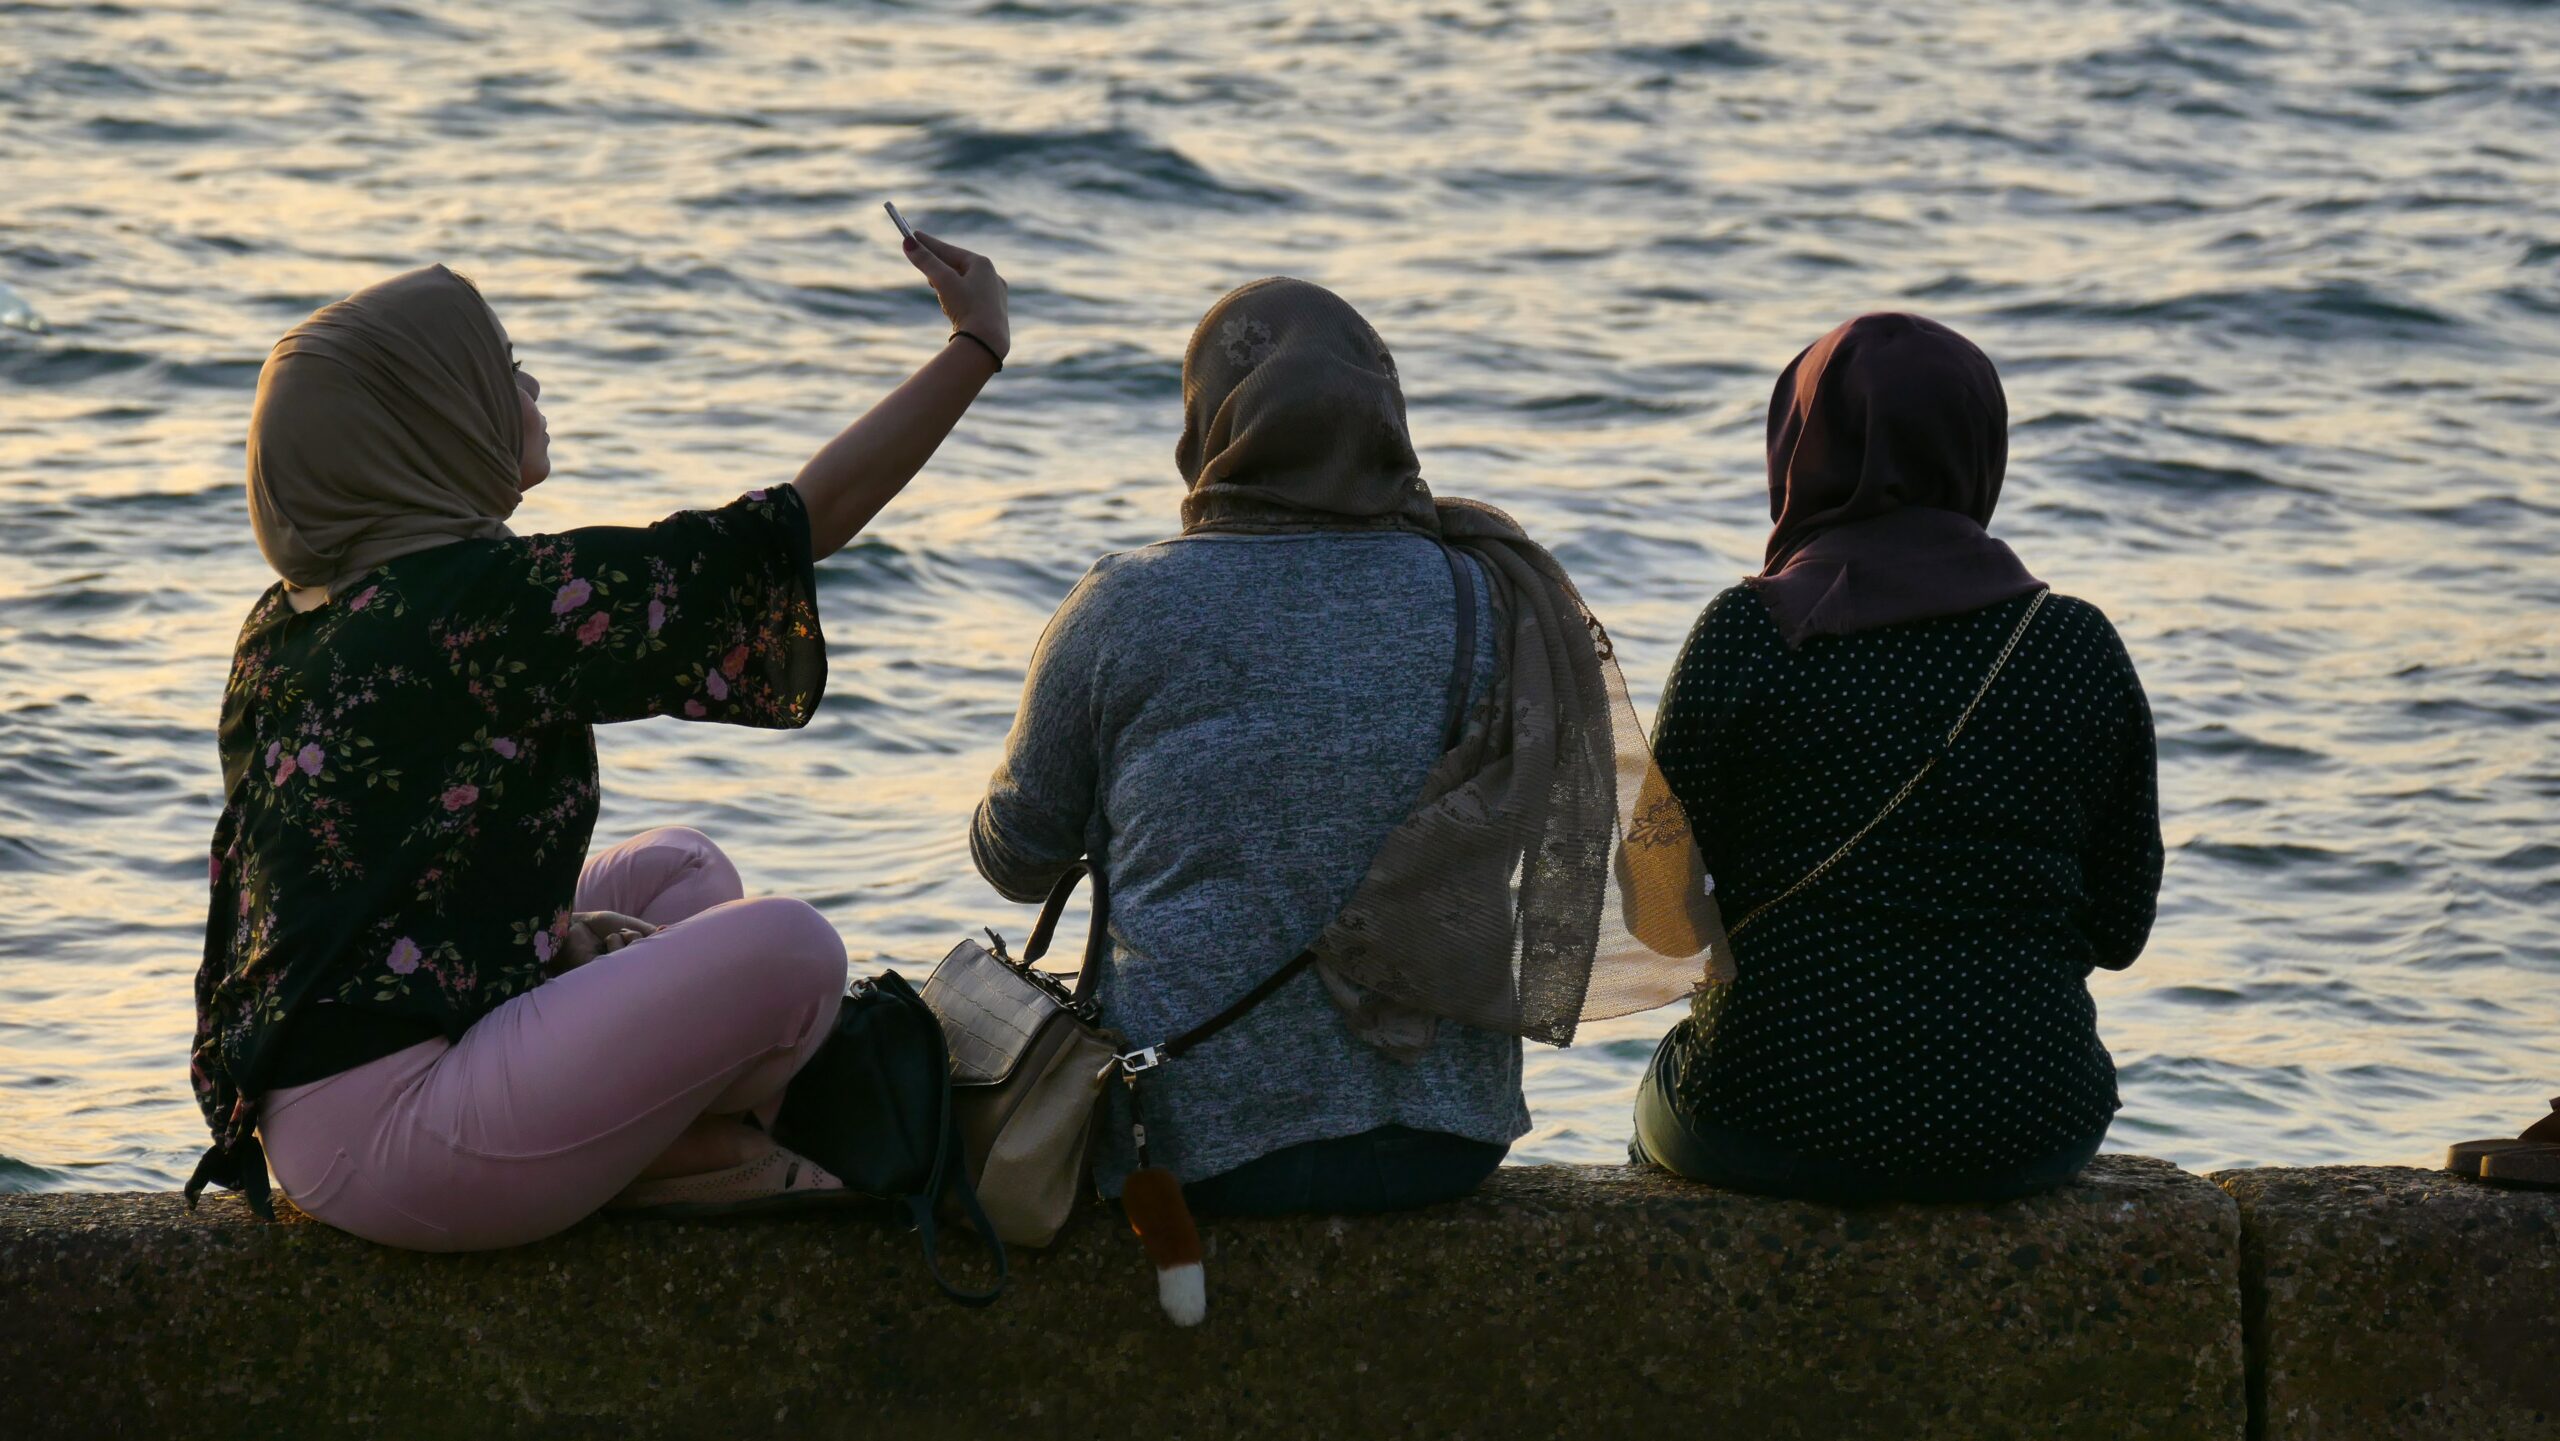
[1561, 1302]
[2388, 1302]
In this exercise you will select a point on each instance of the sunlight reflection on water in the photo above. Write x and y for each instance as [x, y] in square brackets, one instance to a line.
[2276, 289]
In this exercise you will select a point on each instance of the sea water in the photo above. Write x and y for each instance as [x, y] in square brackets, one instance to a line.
[2275, 286]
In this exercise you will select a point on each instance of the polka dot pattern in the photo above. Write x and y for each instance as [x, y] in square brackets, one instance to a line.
[1924, 1008]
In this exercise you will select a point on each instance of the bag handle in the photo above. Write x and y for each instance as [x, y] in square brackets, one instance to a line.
[1913, 784]
[1097, 936]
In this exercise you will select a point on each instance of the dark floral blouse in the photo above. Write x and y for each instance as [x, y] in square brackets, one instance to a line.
[410, 771]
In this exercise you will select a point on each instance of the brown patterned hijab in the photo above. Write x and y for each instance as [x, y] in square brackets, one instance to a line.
[385, 424]
[1546, 875]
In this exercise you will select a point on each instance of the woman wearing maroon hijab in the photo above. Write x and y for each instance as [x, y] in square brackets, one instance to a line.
[1926, 786]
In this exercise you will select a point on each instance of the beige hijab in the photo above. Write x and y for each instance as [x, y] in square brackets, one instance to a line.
[385, 424]
[1546, 875]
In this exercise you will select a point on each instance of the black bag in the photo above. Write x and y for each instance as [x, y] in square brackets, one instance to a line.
[874, 1107]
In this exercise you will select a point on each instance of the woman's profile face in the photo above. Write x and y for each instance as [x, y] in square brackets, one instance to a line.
[533, 456]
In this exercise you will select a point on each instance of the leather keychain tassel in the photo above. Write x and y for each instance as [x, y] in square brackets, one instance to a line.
[1152, 1200]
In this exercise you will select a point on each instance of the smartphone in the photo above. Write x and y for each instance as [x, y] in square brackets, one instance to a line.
[904, 228]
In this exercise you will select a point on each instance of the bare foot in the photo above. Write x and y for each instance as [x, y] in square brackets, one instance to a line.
[712, 1143]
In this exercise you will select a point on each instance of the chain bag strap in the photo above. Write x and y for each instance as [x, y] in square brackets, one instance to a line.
[1940, 753]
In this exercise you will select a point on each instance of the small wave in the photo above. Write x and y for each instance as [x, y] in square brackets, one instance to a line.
[2311, 868]
[2541, 855]
[2247, 14]
[2337, 311]
[1822, 260]
[1058, 10]
[2465, 88]
[2488, 718]
[1122, 370]
[2220, 742]
[870, 563]
[2151, 58]
[17, 1177]
[1955, 283]
[1715, 52]
[213, 374]
[1114, 161]
[2182, 476]
[844, 302]
[85, 77]
[2525, 297]
[1564, 184]
[2211, 997]
[65, 365]
[220, 493]
[400, 20]
[673, 47]
[505, 96]
[640, 276]
[1596, 405]
[123, 130]
[2368, 121]
[652, 112]
[78, 597]
[775, 197]
[1725, 243]
[1977, 132]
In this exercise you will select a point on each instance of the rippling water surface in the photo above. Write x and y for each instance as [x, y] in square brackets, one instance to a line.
[2275, 285]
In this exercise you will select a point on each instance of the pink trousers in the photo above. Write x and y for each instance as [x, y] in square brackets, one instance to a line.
[555, 1101]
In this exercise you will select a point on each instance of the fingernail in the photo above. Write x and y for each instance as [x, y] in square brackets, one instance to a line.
[907, 245]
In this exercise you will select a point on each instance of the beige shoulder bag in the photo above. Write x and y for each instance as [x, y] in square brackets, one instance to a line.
[1029, 1059]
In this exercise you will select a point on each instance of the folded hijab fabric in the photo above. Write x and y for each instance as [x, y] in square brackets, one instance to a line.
[1887, 441]
[1547, 875]
[385, 424]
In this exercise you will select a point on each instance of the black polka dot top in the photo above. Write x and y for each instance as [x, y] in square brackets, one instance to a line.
[1924, 1008]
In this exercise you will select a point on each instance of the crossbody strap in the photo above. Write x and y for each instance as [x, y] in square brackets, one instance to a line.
[1913, 784]
[1462, 673]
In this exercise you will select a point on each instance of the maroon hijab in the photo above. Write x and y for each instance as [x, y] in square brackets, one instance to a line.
[1887, 441]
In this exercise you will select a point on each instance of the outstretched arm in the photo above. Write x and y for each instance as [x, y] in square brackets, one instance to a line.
[852, 476]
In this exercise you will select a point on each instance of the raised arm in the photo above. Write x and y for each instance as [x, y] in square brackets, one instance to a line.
[852, 476]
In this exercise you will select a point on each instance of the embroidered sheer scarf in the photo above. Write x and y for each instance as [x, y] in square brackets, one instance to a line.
[1546, 875]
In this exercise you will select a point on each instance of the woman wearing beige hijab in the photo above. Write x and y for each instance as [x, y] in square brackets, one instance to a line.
[452, 1027]
[1364, 743]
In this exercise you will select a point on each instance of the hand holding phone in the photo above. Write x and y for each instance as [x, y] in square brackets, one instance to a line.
[972, 293]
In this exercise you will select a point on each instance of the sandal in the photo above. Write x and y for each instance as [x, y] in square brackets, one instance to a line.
[2536, 1168]
[779, 1180]
[2528, 1160]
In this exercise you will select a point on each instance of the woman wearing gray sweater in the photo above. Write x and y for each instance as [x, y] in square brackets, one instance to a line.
[1249, 731]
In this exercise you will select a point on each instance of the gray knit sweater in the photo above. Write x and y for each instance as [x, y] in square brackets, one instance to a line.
[1230, 725]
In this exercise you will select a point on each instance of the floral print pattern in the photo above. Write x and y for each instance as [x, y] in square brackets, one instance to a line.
[410, 774]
